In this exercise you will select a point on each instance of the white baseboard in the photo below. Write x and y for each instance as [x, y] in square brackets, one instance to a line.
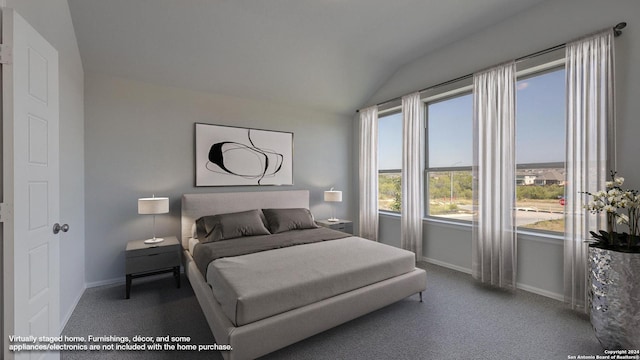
[535, 290]
[72, 308]
[531, 289]
[447, 265]
[114, 281]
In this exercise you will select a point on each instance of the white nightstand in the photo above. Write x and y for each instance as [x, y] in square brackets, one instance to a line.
[340, 225]
[151, 259]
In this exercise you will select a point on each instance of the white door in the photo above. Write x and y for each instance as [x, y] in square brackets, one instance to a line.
[30, 184]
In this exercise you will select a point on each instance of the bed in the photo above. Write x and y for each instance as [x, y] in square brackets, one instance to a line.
[307, 287]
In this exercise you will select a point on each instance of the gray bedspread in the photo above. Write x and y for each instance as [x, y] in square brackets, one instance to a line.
[260, 285]
[205, 253]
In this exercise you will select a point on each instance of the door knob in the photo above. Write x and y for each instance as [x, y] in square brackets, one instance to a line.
[57, 228]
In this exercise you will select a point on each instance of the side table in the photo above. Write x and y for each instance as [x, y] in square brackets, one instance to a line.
[152, 259]
[340, 225]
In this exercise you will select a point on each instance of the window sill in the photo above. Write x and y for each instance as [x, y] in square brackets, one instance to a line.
[523, 234]
[555, 239]
[448, 223]
[388, 213]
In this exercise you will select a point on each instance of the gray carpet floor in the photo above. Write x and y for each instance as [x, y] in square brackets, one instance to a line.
[459, 319]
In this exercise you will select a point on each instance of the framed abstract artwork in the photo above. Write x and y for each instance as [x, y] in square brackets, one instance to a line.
[237, 156]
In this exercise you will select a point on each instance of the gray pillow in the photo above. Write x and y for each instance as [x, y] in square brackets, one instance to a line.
[230, 226]
[281, 220]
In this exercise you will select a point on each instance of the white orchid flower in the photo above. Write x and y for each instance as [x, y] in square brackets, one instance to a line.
[622, 219]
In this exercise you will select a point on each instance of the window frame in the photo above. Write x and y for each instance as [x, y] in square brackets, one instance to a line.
[526, 68]
[529, 68]
[530, 72]
[392, 110]
[460, 89]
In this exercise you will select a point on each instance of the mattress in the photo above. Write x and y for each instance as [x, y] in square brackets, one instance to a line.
[259, 285]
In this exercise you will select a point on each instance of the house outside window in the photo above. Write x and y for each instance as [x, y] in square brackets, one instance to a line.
[540, 151]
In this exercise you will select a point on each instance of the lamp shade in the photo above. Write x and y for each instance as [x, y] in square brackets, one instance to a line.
[154, 205]
[333, 196]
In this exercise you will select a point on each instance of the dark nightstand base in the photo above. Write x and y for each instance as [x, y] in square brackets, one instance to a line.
[175, 270]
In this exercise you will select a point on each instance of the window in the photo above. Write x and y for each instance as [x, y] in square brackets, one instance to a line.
[389, 161]
[449, 157]
[540, 151]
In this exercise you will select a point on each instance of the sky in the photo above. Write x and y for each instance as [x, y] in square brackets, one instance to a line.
[540, 126]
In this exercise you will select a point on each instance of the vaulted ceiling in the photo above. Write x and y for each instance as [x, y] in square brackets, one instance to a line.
[329, 55]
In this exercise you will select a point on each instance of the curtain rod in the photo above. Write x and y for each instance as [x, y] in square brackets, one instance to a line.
[617, 31]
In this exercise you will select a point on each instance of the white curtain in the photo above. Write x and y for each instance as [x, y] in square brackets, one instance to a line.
[368, 173]
[412, 160]
[494, 238]
[590, 150]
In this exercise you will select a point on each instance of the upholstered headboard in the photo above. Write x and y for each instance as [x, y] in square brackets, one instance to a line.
[196, 205]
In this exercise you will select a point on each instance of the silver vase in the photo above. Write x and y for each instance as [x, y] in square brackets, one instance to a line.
[614, 298]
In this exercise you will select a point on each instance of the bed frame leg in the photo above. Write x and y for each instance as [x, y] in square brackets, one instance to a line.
[420, 296]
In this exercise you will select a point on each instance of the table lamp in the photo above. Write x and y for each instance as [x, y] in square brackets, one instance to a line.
[153, 206]
[333, 196]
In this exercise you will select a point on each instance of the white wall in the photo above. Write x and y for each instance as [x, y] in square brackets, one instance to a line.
[140, 141]
[545, 25]
[51, 18]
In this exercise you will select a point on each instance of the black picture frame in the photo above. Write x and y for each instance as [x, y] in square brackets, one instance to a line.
[239, 156]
